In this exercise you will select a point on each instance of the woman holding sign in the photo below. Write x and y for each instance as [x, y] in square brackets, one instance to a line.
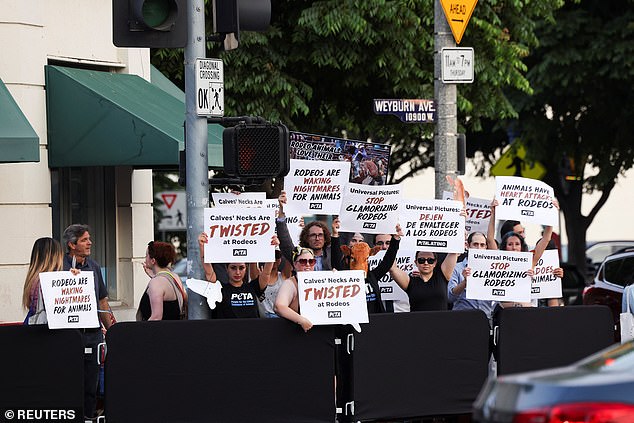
[287, 301]
[239, 299]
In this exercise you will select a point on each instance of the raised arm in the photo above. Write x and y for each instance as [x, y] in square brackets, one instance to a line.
[264, 276]
[491, 244]
[282, 306]
[400, 277]
[210, 274]
[390, 255]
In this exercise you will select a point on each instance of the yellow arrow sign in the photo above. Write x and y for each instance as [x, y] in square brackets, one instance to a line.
[513, 163]
[458, 13]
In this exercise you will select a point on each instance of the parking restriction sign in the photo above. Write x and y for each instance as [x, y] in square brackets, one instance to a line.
[210, 90]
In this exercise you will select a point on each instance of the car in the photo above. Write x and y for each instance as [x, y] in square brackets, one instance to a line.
[614, 274]
[596, 252]
[597, 389]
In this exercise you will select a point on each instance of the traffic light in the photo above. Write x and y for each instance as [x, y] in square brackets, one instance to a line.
[256, 151]
[231, 16]
[149, 23]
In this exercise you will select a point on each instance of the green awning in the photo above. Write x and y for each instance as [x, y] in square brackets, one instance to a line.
[108, 119]
[18, 140]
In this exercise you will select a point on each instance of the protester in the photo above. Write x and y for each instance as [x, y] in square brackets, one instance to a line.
[314, 235]
[358, 260]
[267, 299]
[239, 299]
[46, 256]
[456, 290]
[287, 301]
[79, 245]
[164, 298]
[391, 306]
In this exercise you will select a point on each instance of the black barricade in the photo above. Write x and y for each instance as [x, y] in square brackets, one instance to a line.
[41, 369]
[540, 338]
[251, 370]
[417, 364]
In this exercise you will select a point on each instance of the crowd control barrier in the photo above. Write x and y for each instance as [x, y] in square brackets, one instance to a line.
[268, 370]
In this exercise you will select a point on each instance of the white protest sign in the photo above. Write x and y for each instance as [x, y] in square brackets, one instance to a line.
[244, 199]
[389, 288]
[432, 225]
[478, 213]
[239, 235]
[329, 298]
[545, 284]
[526, 200]
[315, 187]
[295, 224]
[370, 209]
[70, 300]
[499, 275]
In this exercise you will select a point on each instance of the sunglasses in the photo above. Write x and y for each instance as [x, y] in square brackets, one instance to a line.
[306, 262]
[428, 260]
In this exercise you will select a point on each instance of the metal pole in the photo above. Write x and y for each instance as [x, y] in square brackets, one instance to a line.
[445, 145]
[197, 186]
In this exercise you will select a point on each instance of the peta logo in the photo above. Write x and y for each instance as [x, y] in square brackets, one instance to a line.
[239, 252]
[334, 314]
[528, 213]
[498, 292]
[315, 206]
[386, 290]
[369, 225]
[535, 290]
[73, 319]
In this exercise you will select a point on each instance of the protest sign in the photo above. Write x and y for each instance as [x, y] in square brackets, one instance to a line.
[544, 283]
[70, 300]
[389, 288]
[239, 235]
[295, 224]
[478, 213]
[315, 187]
[369, 161]
[432, 225]
[499, 275]
[526, 200]
[328, 298]
[244, 199]
[370, 209]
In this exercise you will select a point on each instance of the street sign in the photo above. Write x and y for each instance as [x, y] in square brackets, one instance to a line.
[456, 65]
[409, 111]
[173, 210]
[513, 163]
[458, 13]
[210, 88]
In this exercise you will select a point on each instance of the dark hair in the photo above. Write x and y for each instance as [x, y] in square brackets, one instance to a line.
[73, 233]
[506, 237]
[304, 235]
[420, 252]
[508, 226]
[472, 234]
[163, 252]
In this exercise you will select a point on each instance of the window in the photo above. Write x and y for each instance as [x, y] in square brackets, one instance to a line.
[620, 271]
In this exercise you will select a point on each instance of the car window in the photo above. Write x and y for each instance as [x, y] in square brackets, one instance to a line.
[617, 358]
[619, 271]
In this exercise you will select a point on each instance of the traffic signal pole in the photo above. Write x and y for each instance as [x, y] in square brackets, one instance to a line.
[197, 173]
[445, 145]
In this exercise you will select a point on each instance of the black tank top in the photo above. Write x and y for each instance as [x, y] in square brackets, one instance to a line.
[171, 310]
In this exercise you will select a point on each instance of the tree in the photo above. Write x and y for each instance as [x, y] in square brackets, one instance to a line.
[322, 62]
[578, 122]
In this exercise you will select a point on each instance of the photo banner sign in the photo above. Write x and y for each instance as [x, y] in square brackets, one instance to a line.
[239, 235]
[433, 225]
[70, 300]
[545, 284]
[332, 298]
[389, 288]
[499, 275]
[244, 199]
[314, 187]
[369, 161]
[526, 200]
[370, 209]
[478, 213]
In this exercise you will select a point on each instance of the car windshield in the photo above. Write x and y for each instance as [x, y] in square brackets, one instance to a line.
[620, 271]
[616, 359]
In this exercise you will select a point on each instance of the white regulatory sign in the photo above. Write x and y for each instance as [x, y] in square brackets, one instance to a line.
[210, 88]
[456, 65]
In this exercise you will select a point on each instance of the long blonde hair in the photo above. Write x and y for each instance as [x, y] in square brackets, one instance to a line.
[47, 256]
